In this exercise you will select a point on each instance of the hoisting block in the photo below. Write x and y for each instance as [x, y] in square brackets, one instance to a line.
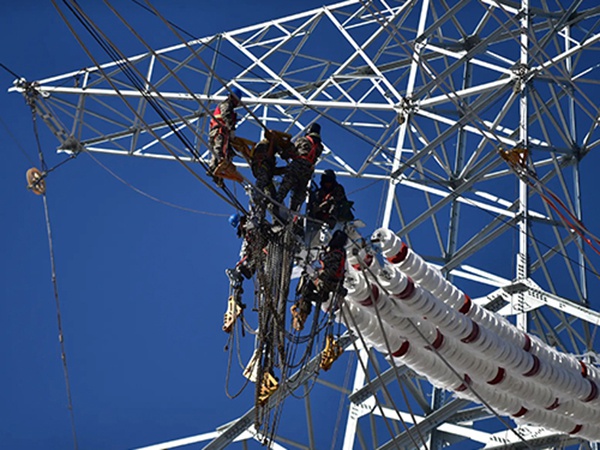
[268, 388]
[298, 317]
[233, 312]
[251, 370]
[330, 353]
[516, 156]
[35, 181]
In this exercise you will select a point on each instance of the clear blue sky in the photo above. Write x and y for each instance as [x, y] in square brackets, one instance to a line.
[142, 286]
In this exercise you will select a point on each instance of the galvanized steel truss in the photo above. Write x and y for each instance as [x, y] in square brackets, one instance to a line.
[423, 95]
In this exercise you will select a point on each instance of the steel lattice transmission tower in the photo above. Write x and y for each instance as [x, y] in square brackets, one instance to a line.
[424, 95]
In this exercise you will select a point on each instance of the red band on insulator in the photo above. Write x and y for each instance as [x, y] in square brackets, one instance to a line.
[371, 298]
[521, 412]
[367, 261]
[473, 335]
[593, 394]
[500, 375]
[554, 405]
[584, 370]
[408, 290]
[402, 350]
[463, 387]
[466, 305]
[535, 368]
[439, 340]
[400, 256]
[527, 344]
[577, 429]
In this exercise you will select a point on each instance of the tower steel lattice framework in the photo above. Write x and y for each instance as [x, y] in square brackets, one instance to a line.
[424, 95]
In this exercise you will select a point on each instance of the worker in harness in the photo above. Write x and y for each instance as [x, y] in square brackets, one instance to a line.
[299, 171]
[264, 168]
[244, 268]
[222, 130]
[247, 231]
[322, 281]
[329, 203]
[328, 209]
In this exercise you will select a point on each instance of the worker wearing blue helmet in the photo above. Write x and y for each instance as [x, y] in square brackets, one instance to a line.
[234, 220]
[222, 128]
[246, 230]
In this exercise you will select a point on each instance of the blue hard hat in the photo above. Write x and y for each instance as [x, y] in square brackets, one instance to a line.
[234, 220]
[235, 91]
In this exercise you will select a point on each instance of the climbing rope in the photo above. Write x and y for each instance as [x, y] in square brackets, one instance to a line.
[61, 339]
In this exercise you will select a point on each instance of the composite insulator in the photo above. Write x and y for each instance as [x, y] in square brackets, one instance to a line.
[418, 301]
[497, 337]
[363, 259]
[425, 362]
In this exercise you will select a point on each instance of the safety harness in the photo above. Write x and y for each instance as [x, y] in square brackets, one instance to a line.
[217, 122]
[217, 119]
[312, 155]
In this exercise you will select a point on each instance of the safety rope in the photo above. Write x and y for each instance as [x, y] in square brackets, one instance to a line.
[229, 348]
[531, 179]
[151, 197]
[61, 339]
[19, 146]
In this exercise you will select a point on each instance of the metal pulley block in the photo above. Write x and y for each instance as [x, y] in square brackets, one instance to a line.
[234, 310]
[35, 181]
[298, 317]
[267, 388]
[331, 352]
